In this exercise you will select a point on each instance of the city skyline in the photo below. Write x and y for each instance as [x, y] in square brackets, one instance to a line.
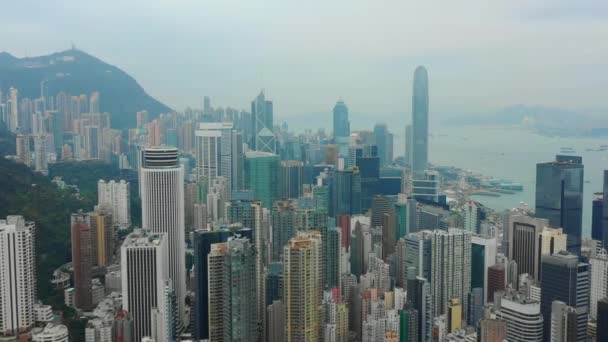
[534, 41]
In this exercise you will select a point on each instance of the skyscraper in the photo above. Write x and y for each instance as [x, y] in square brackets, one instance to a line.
[598, 267]
[144, 270]
[261, 175]
[496, 280]
[563, 323]
[483, 256]
[202, 241]
[566, 279]
[302, 292]
[602, 320]
[17, 276]
[523, 317]
[559, 196]
[162, 203]
[384, 141]
[292, 178]
[345, 191]
[102, 237]
[605, 211]
[117, 197]
[451, 268]
[23, 149]
[420, 120]
[263, 124]
[232, 285]
[219, 152]
[341, 123]
[82, 259]
[524, 247]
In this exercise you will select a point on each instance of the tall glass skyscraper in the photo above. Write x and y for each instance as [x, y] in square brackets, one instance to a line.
[261, 175]
[341, 123]
[559, 196]
[566, 279]
[420, 120]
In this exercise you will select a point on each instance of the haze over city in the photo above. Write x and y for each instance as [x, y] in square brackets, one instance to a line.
[482, 55]
[332, 171]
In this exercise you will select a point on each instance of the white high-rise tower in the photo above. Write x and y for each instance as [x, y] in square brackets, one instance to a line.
[144, 270]
[162, 203]
[17, 275]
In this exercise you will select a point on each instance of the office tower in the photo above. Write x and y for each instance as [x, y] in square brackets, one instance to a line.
[302, 287]
[144, 269]
[408, 145]
[341, 123]
[331, 254]
[496, 280]
[473, 216]
[597, 218]
[208, 149]
[414, 253]
[524, 249]
[117, 197]
[366, 159]
[401, 216]
[123, 327]
[219, 152]
[40, 154]
[23, 149]
[602, 320]
[559, 196]
[563, 322]
[343, 222]
[202, 241]
[421, 298]
[165, 316]
[357, 250]
[451, 268]
[346, 192]
[263, 126]
[384, 141]
[292, 179]
[420, 120]
[261, 175]
[232, 159]
[566, 279]
[283, 223]
[523, 317]
[82, 259]
[274, 282]
[249, 213]
[408, 325]
[232, 291]
[551, 241]
[383, 215]
[598, 267]
[162, 203]
[17, 275]
[102, 238]
[492, 330]
[605, 211]
[425, 186]
[276, 322]
[483, 256]
[475, 309]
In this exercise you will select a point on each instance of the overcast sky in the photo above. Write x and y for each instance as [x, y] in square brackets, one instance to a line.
[481, 55]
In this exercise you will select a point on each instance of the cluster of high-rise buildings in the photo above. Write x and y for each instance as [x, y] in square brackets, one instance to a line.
[251, 232]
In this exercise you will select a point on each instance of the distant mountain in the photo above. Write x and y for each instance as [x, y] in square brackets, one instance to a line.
[76, 72]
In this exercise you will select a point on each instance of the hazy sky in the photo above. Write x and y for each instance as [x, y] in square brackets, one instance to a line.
[481, 55]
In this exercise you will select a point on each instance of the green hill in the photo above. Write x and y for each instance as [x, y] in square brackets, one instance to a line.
[76, 72]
